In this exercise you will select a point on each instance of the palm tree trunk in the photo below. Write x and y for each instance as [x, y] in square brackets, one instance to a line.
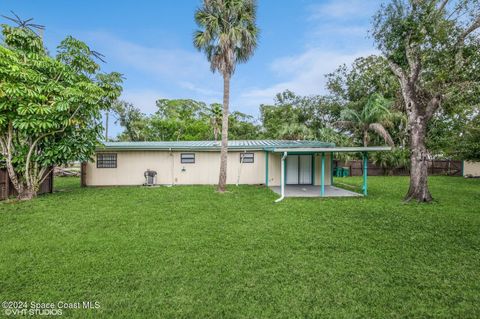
[222, 179]
[365, 138]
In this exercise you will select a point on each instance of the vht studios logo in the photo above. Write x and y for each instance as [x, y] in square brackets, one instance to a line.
[33, 308]
[33, 312]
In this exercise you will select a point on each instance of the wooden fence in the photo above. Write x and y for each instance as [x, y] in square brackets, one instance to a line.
[435, 167]
[7, 189]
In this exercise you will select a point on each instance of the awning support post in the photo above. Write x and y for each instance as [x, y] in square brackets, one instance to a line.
[282, 178]
[322, 178]
[365, 173]
[331, 169]
[266, 168]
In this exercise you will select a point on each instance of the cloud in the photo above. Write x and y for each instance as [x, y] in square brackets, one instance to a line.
[338, 30]
[173, 63]
[199, 89]
[144, 99]
[303, 74]
[181, 73]
[337, 35]
[343, 9]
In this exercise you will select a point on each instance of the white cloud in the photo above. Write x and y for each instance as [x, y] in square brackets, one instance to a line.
[343, 9]
[337, 35]
[199, 89]
[339, 30]
[180, 73]
[304, 74]
[174, 63]
[144, 99]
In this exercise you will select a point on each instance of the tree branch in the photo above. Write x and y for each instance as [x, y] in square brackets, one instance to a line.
[443, 5]
[461, 42]
[8, 159]
[3, 144]
[42, 171]
[380, 130]
[474, 26]
[433, 106]
[33, 145]
[397, 70]
[414, 62]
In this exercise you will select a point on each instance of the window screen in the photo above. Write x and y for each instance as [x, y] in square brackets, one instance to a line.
[246, 158]
[107, 160]
[187, 158]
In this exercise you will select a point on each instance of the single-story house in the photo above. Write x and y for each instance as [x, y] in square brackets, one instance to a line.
[273, 163]
[471, 169]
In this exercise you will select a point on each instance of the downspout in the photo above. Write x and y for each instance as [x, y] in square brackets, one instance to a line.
[266, 168]
[173, 166]
[365, 173]
[240, 167]
[282, 178]
[322, 177]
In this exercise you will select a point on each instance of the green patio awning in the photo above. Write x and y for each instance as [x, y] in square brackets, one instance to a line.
[333, 149]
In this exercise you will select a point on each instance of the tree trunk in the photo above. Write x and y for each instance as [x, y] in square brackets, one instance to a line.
[365, 138]
[418, 117]
[28, 193]
[24, 191]
[106, 126]
[222, 179]
[19, 187]
[419, 165]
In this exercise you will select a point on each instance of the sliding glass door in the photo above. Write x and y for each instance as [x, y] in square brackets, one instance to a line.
[299, 170]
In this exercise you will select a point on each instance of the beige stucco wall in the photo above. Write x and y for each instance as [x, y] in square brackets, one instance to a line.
[471, 168]
[318, 169]
[274, 164]
[131, 166]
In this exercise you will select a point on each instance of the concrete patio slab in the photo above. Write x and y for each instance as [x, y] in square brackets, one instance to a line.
[314, 191]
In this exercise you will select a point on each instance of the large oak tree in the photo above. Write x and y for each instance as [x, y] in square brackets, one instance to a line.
[433, 48]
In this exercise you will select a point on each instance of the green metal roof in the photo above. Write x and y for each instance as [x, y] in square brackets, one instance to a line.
[214, 145]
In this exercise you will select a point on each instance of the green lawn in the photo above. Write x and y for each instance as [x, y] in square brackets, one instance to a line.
[188, 252]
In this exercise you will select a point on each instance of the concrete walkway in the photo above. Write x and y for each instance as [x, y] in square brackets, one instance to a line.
[314, 191]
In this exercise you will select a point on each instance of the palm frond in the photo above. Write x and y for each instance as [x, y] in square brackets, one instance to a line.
[345, 124]
[25, 24]
[227, 32]
[380, 130]
[351, 115]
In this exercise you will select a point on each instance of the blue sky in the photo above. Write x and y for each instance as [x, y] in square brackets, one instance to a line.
[150, 42]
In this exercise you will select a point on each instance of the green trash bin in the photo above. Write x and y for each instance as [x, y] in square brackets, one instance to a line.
[335, 172]
[345, 171]
[339, 171]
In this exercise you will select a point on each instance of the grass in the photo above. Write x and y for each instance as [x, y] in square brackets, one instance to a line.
[189, 252]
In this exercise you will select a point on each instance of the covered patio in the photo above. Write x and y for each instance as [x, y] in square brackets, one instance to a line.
[314, 191]
[298, 177]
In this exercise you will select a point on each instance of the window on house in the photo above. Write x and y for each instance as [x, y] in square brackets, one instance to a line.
[246, 158]
[107, 160]
[187, 158]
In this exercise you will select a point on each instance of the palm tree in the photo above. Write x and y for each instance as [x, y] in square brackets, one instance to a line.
[215, 113]
[374, 117]
[295, 131]
[228, 36]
